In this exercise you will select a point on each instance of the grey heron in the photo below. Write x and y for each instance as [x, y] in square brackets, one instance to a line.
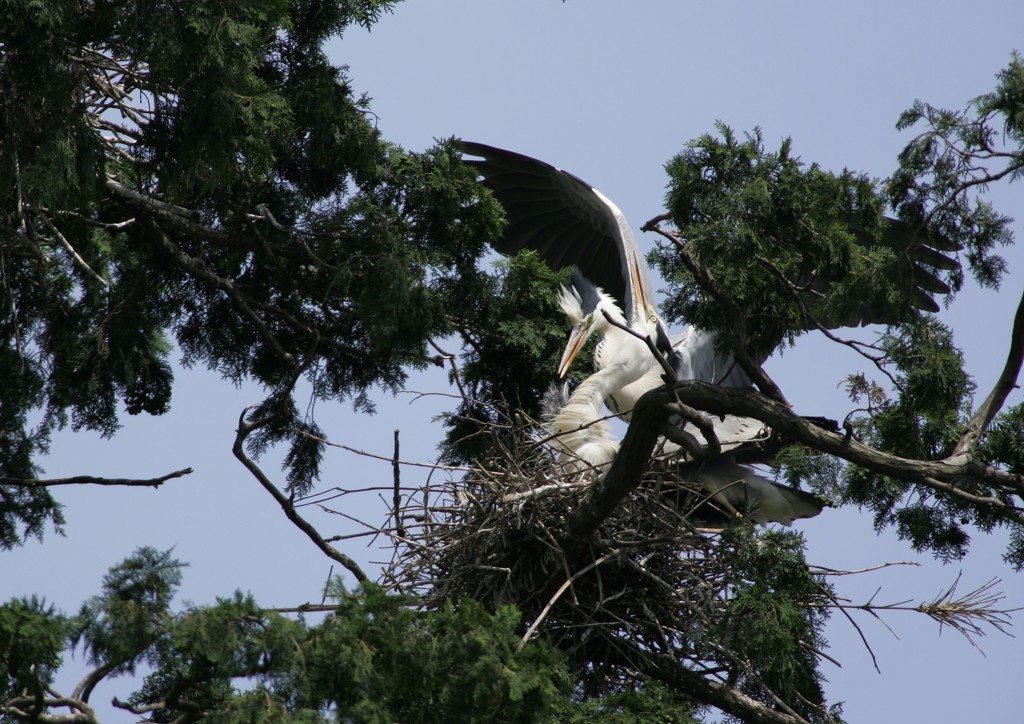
[581, 434]
[570, 223]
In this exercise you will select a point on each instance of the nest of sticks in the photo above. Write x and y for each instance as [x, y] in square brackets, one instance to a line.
[647, 595]
[652, 580]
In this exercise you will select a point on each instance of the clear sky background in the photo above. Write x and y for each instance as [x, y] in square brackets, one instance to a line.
[609, 91]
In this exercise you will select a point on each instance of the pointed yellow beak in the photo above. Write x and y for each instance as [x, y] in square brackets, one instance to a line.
[643, 299]
[577, 338]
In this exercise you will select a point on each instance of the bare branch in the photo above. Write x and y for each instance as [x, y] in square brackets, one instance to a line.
[384, 458]
[25, 707]
[90, 480]
[1002, 388]
[74, 254]
[967, 614]
[558, 594]
[397, 495]
[244, 430]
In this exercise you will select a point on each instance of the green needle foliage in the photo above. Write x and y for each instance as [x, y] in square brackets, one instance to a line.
[202, 179]
[514, 333]
[775, 617]
[375, 658]
[795, 246]
[33, 637]
[198, 182]
[792, 247]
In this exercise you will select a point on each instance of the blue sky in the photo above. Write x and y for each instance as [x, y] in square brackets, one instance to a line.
[609, 91]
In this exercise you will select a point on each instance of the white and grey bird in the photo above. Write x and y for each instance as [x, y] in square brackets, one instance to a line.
[581, 435]
[693, 356]
[576, 422]
[570, 223]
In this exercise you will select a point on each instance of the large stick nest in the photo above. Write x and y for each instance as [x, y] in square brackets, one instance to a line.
[648, 582]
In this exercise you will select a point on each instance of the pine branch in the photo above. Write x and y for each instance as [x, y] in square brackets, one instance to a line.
[736, 316]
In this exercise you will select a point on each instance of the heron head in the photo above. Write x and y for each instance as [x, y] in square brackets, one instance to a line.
[585, 305]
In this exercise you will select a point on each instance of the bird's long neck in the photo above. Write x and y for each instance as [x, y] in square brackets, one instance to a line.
[581, 435]
[612, 340]
[584, 404]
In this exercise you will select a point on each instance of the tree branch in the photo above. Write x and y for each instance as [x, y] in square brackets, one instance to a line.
[732, 310]
[1000, 391]
[624, 474]
[24, 707]
[244, 430]
[653, 409]
[198, 269]
[719, 400]
[90, 480]
[728, 699]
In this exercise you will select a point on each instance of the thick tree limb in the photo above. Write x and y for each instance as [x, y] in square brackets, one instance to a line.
[953, 470]
[1000, 391]
[90, 480]
[624, 474]
[24, 708]
[652, 411]
[727, 698]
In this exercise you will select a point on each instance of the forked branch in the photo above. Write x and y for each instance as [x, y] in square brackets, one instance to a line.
[244, 430]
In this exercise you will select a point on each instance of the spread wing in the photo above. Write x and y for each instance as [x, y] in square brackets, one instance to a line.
[565, 220]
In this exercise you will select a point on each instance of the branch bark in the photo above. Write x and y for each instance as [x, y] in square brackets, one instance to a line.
[703, 275]
[90, 480]
[244, 430]
[653, 409]
[728, 699]
[1000, 391]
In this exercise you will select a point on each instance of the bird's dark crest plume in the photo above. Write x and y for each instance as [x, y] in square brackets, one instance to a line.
[586, 290]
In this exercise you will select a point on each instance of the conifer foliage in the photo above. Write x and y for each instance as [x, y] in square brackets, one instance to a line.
[198, 182]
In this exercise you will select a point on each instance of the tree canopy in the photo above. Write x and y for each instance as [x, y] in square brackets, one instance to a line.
[200, 182]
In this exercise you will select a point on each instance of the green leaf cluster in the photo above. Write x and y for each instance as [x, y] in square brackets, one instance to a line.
[774, 617]
[943, 170]
[784, 240]
[515, 333]
[923, 418]
[203, 180]
[33, 637]
[375, 658]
